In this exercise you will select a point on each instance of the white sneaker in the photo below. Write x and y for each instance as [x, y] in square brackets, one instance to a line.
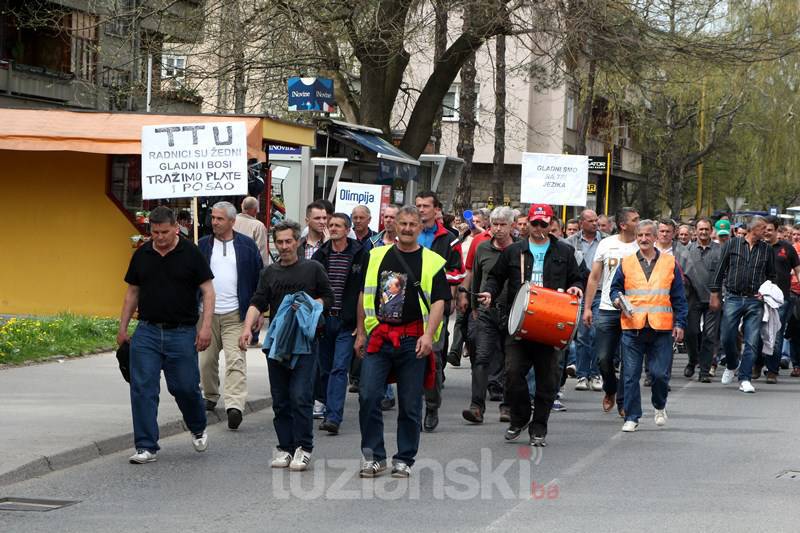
[319, 410]
[582, 384]
[142, 456]
[281, 459]
[661, 417]
[727, 376]
[596, 384]
[746, 386]
[200, 441]
[300, 460]
[630, 426]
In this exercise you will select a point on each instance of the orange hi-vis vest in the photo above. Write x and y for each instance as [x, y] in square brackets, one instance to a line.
[649, 298]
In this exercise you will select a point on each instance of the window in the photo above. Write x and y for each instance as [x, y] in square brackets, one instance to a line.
[173, 67]
[120, 18]
[83, 41]
[571, 120]
[452, 102]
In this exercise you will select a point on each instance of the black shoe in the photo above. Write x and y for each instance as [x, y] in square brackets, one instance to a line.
[234, 418]
[688, 371]
[705, 379]
[330, 427]
[431, 420]
[387, 404]
[210, 406]
[513, 432]
[473, 414]
[505, 414]
[454, 359]
[647, 381]
[495, 396]
[538, 442]
[353, 387]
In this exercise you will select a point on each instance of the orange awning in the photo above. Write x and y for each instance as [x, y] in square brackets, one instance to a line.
[100, 132]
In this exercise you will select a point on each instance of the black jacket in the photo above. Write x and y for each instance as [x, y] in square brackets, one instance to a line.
[560, 269]
[355, 281]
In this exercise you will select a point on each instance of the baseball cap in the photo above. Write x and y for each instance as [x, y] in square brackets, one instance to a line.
[540, 212]
[723, 227]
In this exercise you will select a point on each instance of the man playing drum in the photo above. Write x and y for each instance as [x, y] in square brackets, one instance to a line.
[544, 261]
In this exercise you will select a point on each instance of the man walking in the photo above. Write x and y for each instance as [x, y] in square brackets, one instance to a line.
[236, 264]
[163, 279]
[786, 263]
[585, 243]
[546, 261]
[699, 261]
[746, 263]
[292, 385]
[653, 316]
[435, 238]
[610, 252]
[342, 259]
[401, 309]
[490, 327]
[247, 224]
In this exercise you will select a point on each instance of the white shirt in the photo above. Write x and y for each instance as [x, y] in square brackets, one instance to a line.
[223, 265]
[610, 252]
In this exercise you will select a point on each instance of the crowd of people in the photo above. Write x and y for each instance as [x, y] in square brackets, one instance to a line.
[351, 309]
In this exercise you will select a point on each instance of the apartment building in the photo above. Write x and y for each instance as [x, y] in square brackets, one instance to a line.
[88, 54]
[539, 118]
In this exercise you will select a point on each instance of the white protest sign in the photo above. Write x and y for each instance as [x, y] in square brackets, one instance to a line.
[554, 179]
[349, 195]
[183, 160]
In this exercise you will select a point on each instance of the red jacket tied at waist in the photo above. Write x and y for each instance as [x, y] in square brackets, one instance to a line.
[387, 332]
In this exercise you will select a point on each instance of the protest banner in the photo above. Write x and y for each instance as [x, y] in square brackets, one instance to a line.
[185, 160]
[554, 179]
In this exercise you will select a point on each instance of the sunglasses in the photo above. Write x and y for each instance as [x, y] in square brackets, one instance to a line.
[539, 223]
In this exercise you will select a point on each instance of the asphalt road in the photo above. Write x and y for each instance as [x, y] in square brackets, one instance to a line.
[714, 467]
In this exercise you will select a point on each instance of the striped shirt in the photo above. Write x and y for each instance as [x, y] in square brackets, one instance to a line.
[338, 270]
[743, 269]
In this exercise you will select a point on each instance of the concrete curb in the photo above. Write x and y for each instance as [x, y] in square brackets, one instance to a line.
[88, 452]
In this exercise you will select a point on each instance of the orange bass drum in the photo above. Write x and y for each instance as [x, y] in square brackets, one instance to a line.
[544, 316]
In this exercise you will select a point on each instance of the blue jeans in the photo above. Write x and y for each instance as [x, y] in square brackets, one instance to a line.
[750, 311]
[335, 350]
[410, 374]
[154, 349]
[657, 346]
[292, 392]
[607, 333]
[585, 354]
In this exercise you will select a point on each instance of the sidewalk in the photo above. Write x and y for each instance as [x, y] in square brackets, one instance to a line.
[60, 414]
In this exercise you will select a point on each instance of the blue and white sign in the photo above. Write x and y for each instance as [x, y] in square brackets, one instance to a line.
[279, 149]
[311, 94]
[349, 195]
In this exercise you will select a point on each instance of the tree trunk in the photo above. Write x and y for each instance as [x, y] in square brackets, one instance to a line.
[499, 119]
[585, 116]
[239, 66]
[466, 130]
[675, 178]
[440, 45]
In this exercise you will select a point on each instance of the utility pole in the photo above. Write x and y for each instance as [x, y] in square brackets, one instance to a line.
[701, 141]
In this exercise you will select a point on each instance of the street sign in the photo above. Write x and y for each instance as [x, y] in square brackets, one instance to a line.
[773, 210]
[190, 160]
[598, 162]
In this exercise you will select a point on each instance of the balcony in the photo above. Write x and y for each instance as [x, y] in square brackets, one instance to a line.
[39, 83]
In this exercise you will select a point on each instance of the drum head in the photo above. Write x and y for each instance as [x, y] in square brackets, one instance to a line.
[517, 312]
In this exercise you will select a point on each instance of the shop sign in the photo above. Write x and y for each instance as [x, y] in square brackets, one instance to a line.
[349, 195]
[598, 162]
[311, 94]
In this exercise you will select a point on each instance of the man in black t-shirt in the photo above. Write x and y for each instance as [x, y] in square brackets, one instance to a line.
[163, 278]
[786, 261]
[292, 387]
[401, 309]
